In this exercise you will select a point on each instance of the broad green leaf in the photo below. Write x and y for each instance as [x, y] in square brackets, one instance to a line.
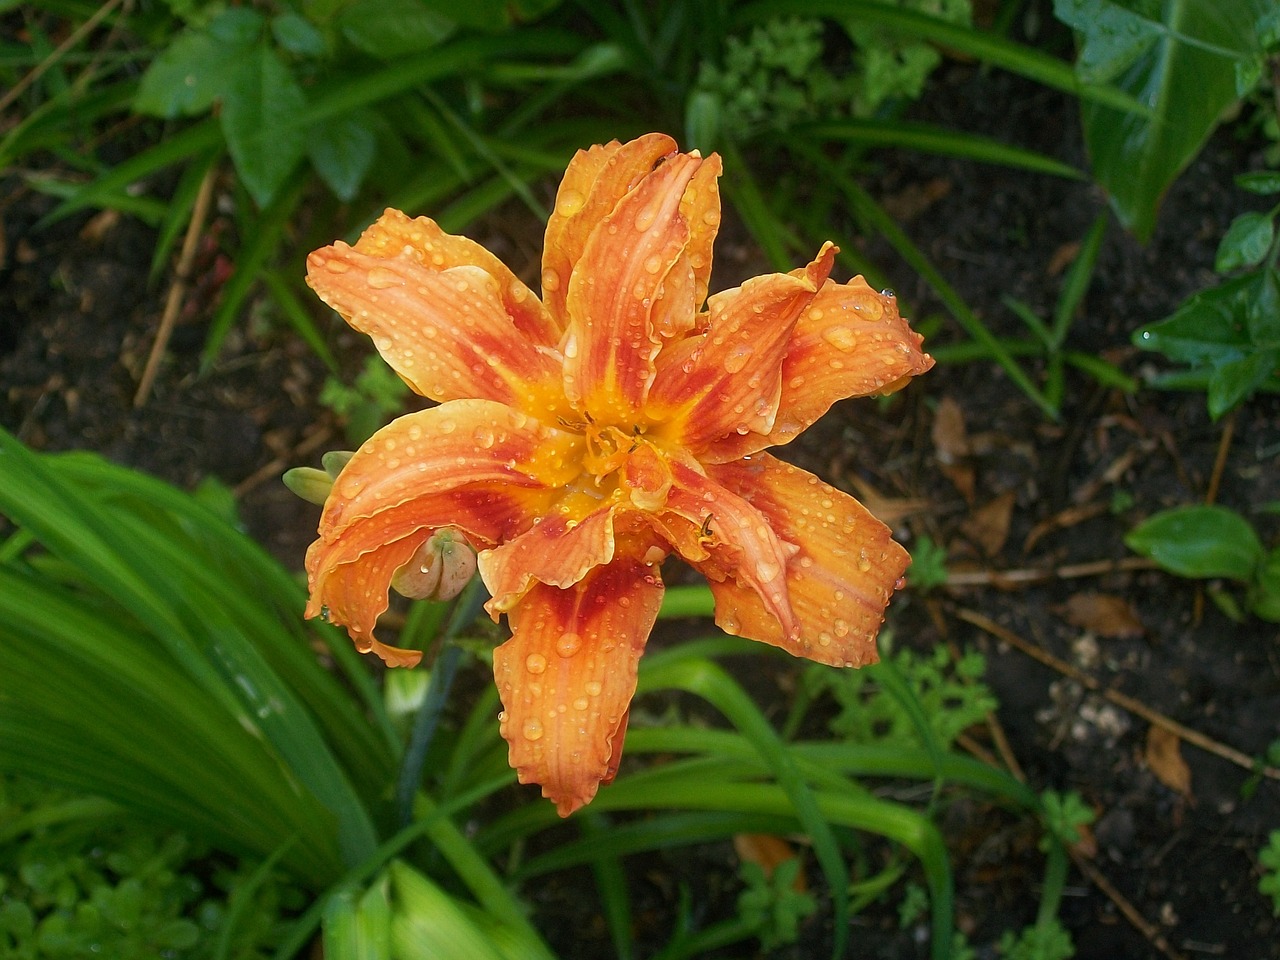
[1199, 541]
[1235, 381]
[341, 152]
[199, 66]
[299, 35]
[388, 29]
[1264, 598]
[1210, 327]
[259, 114]
[1245, 243]
[1179, 58]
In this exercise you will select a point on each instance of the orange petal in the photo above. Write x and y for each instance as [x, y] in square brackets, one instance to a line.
[612, 335]
[567, 675]
[734, 541]
[727, 381]
[849, 342]
[594, 182]
[555, 551]
[701, 209]
[840, 580]
[446, 332]
[475, 465]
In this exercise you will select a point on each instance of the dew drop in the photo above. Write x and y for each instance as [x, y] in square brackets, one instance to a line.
[568, 644]
[581, 703]
[653, 264]
[380, 278]
[337, 266]
[550, 280]
[569, 202]
[737, 357]
[535, 663]
[483, 436]
[841, 628]
[593, 688]
[447, 426]
[767, 569]
[645, 218]
[842, 338]
[532, 729]
[869, 309]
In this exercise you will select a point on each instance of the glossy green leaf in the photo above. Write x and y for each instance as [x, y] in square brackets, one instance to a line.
[1245, 243]
[1199, 541]
[1264, 598]
[1177, 57]
[1211, 327]
[388, 29]
[258, 117]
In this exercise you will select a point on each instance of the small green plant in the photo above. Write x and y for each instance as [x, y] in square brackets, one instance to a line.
[873, 708]
[365, 405]
[928, 564]
[1269, 860]
[1208, 542]
[1047, 941]
[771, 905]
[1229, 335]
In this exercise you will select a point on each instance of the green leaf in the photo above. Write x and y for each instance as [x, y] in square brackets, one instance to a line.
[491, 15]
[1265, 182]
[199, 66]
[257, 119]
[388, 29]
[1236, 381]
[1210, 327]
[1245, 243]
[298, 35]
[342, 152]
[1199, 541]
[1179, 58]
[1264, 599]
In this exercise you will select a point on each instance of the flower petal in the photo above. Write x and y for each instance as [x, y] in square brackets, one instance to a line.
[849, 342]
[554, 551]
[567, 675]
[727, 381]
[594, 182]
[840, 580]
[475, 465]
[612, 335]
[727, 538]
[447, 332]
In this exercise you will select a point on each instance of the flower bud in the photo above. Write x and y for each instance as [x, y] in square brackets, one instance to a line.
[439, 569]
[310, 484]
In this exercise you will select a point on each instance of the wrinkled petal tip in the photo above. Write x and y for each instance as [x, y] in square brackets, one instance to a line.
[393, 656]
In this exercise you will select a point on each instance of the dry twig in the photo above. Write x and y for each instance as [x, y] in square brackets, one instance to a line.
[39, 69]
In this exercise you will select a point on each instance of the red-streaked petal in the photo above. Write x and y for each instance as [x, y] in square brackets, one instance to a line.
[594, 182]
[611, 338]
[840, 580]
[479, 466]
[446, 332]
[554, 551]
[849, 342]
[734, 541]
[395, 235]
[701, 209]
[727, 380]
[567, 675]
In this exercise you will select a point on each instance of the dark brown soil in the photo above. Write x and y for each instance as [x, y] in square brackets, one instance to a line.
[77, 317]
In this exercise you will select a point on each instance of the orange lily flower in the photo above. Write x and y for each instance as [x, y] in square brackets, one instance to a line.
[581, 438]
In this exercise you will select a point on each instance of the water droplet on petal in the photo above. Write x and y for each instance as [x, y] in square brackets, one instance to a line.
[593, 688]
[535, 663]
[737, 357]
[842, 338]
[532, 729]
[380, 278]
[569, 202]
[568, 644]
[550, 280]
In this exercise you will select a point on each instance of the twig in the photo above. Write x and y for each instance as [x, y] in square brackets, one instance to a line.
[1137, 707]
[1131, 913]
[313, 441]
[1009, 579]
[181, 279]
[1220, 461]
[39, 69]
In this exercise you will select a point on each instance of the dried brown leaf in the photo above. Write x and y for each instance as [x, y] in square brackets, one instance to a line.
[1104, 614]
[988, 525]
[1164, 758]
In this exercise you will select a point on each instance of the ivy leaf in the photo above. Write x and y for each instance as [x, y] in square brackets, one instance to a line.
[259, 121]
[1245, 243]
[1199, 541]
[1181, 58]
